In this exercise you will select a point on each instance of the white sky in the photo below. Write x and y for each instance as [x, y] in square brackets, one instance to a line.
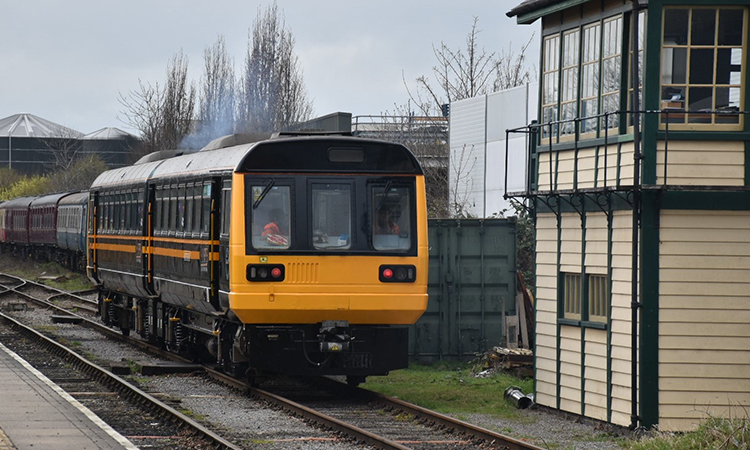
[68, 61]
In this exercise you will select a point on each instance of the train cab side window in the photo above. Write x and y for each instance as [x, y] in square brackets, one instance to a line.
[331, 216]
[391, 223]
[226, 205]
[269, 210]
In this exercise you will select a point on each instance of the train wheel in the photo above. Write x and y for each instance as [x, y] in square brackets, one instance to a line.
[125, 331]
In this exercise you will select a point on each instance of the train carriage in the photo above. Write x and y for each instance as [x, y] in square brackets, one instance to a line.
[303, 255]
[17, 220]
[43, 220]
[71, 227]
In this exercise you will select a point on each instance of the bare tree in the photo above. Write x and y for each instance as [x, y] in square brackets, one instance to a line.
[273, 94]
[459, 74]
[143, 113]
[162, 115]
[467, 73]
[79, 175]
[217, 100]
[179, 103]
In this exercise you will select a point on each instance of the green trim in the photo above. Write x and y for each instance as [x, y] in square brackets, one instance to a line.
[532, 16]
[649, 315]
[587, 143]
[560, 286]
[704, 135]
[568, 322]
[594, 325]
[609, 315]
[584, 310]
[704, 200]
[651, 92]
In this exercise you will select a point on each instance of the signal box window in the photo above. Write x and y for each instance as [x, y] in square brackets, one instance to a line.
[571, 296]
[703, 59]
[270, 217]
[598, 298]
[391, 226]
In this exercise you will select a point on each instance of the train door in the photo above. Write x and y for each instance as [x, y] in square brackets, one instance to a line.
[93, 227]
[223, 214]
[146, 214]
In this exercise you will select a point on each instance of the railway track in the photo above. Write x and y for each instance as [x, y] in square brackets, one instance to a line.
[91, 379]
[379, 421]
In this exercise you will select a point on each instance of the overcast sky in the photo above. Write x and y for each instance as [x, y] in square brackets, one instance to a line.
[68, 61]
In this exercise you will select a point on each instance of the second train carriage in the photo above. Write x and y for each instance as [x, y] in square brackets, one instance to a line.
[71, 228]
[304, 255]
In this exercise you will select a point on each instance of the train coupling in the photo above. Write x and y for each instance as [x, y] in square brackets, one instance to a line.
[334, 336]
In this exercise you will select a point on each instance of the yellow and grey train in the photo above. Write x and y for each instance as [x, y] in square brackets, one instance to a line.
[295, 254]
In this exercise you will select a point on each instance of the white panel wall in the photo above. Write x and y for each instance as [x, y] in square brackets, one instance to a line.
[478, 146]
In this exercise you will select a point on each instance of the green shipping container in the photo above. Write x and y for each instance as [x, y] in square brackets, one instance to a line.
[472, 288]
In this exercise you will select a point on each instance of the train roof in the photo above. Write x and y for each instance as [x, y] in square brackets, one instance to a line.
[218, 161]
[329, 154]
[47, 200]
[126, 175]
[332, 154]
[20, 202]
[76, 198]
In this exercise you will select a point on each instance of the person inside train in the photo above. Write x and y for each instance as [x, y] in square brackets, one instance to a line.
[276, 228]
[385, 222]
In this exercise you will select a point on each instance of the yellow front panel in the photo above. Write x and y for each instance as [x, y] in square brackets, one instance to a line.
[325, 287]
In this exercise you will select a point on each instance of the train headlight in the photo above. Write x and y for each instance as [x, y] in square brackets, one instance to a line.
[398, 273]
[265, 272]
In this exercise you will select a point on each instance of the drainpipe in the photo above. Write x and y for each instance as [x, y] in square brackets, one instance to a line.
[637, 157]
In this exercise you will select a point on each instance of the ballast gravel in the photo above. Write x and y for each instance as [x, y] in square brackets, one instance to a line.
[248, 422]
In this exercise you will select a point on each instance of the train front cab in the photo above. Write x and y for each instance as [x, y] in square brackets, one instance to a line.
[329, 258]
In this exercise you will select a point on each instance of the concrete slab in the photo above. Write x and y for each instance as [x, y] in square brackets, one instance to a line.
[36, 413]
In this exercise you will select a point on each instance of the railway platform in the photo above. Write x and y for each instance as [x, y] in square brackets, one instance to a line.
[36, 414]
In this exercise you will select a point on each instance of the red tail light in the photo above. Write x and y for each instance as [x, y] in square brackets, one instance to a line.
[398, 274]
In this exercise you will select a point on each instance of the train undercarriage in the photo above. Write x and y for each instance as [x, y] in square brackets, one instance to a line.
[256, 351]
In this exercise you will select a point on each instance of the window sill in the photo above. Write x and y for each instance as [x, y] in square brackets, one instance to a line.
[582, 324]
[583, 142]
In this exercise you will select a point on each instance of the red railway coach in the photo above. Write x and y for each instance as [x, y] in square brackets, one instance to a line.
[43, 220]
[16, 213]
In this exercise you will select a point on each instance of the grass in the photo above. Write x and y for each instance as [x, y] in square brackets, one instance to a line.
[31, 270]
[451, 388]
[712, 434]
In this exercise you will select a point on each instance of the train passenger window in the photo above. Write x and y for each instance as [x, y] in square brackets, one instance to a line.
[206, 209]
[331, 216]
[197, 225]
[391, 227]
[110, 212]
[128, 211]
[270, 216]
[172, 210]
[181, 208]
[189, 208]
[158, 212]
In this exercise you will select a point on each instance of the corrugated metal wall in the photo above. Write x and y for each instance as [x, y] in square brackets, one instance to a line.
[472, 286]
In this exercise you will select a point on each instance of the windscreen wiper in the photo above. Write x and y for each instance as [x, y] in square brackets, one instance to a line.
[385, 194]
[263, 194]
